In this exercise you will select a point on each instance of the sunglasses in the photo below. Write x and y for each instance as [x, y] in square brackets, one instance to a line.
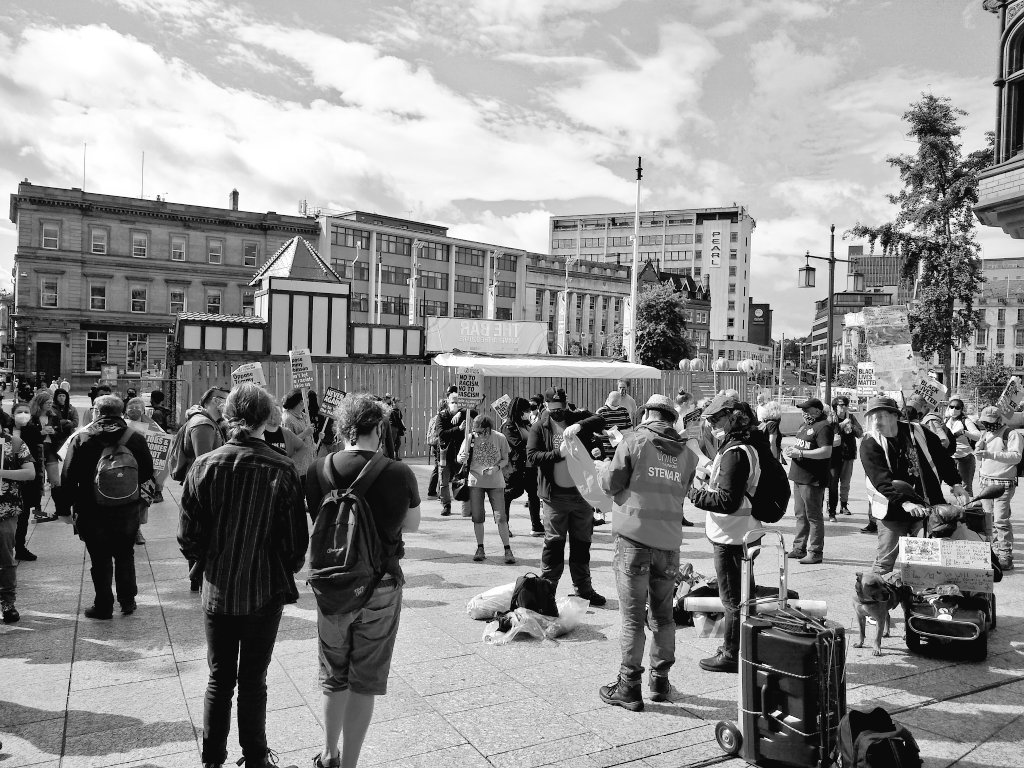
[715, 418]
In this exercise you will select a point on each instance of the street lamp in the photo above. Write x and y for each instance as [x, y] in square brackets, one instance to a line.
[805, 279]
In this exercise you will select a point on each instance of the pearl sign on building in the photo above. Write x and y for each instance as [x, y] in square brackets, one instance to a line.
[445, 334]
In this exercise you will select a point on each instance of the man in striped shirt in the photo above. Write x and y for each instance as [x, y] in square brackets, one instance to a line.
[614, 415]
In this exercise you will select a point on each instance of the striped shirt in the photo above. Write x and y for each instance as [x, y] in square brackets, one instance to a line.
[614, 417]
[243, 516]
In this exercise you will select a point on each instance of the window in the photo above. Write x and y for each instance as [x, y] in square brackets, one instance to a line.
[696, 271]
[140, 297]
[98, 240]
[698, 255]
[360, 302]
[467, 284]
[616, 242]
[732, 354]
[436, 280]
[350, 238]
[95, 350]
[678, 255]
[394, 275]
[650, 239]
[250, 254]
[469, 310]
[732, 305]
[505, 263]
[732, 254]
[998, 357]
[1020, 315]
[394, 244]
[140, 245]
[557, 243]
[345, 269]
[48, 292]
[435, 308]
[730, 322]
[473, 256]
[678, 239]
[1000, 316]
[98, 297]
[433, 252]
[215, 251]
[248, 303]
[594, 242]
[51, 236]
[732, 271]
[138, 352]
[1018, 337]
[981, 337]
[734, 237]
[178, 246]
[394, 305]
[732, 287]
[176, 301]
[698, 237]
[1000, 336]
[1018, 360]
[213, 302]
[979, 358]
[508, 290]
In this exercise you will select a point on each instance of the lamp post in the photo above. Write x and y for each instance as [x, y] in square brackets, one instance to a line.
[805, 279]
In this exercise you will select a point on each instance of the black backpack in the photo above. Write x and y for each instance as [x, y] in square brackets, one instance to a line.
[345, 554]
[536, 593]
[771, 497]
[873, 740]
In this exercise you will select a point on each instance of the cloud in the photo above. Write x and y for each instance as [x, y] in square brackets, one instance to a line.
[527, 229]
[742, 15]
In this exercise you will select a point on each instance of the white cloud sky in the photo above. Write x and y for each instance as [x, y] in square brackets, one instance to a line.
[489, 116]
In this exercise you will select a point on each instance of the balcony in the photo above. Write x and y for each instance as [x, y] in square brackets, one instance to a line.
[1001, 197]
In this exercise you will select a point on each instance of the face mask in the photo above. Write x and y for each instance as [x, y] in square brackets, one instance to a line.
[558, 414]
[951, 413]
[21, 419]
[134, 416]
[809, 418]
[719, 433]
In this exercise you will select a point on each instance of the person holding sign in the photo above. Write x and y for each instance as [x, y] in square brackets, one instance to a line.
[297, 422]
[487, 452]
[137, 420]
[966, 434]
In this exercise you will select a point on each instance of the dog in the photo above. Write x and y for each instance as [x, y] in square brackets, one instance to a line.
[876, 596]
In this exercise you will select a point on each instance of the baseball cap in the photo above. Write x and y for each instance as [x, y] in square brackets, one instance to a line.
[721, 403]
[660, 403]
[811, 402]
[991, 415]
[882, 404]
[918, 403]
[840, 400]
[554, 394]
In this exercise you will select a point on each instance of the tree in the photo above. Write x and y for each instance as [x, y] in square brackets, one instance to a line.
[984, 383]
[933, 231]
[848, 380]
[661, 337]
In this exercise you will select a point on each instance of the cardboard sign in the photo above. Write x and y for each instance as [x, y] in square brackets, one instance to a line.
[159, 445]
[331, 402]
[249, 372]
[945, 552]
[501, 406]
[470, 387]
[867, 384]
[931, 391]
[1012, 397]
[691, 424]
[108, 374]
[968, 579]
[302, 368]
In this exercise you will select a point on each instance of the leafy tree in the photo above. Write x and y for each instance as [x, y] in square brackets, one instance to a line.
[661, 337]
[933, 231]
[848, 380]
[984, 383]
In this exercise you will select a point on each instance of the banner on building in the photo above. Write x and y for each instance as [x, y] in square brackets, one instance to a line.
[249, 372]
[332, 402]
[628, 337]
[302, 368]
[562, 324]
[1012, 397]
[488, 336]
[470, 387]
[716, 249]
[501, 406]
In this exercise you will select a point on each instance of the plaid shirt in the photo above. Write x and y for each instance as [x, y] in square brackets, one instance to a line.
[243, 516]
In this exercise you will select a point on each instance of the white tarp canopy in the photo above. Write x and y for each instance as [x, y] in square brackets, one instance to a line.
[554, 366]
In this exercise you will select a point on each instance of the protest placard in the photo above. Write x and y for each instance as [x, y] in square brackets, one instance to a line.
[691, 424]
[501, 406]
[470, 388]
[867, 384]
[108, 374]
[1012, 397]
[332, 401]
[931, 391]
[887, 335]
[302, 368]
[249, 372]
[159, 445]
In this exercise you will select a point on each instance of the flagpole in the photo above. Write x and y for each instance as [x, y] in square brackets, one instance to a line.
[631, 345]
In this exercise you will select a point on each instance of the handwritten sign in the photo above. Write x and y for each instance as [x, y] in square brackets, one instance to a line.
[249, 372]
[302, 367]
[159, 445]
[1012, 397]
[945, 552]
[332, 402]
[968, 579]
[887, 335]
[470, 389]
[501, 406]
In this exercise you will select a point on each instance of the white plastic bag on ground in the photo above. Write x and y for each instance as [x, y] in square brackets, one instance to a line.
[491, 603]
[583, 471]
[526, 622]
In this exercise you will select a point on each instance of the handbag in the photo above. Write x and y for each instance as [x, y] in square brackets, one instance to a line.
[460, 482]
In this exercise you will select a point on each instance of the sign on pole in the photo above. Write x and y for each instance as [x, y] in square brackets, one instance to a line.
[470, 387]
[249, 372]
[930, 391]
[501, 406]
[302, 368]
[1012, 397]
[562, 325]
[628, 337]
[331, 402]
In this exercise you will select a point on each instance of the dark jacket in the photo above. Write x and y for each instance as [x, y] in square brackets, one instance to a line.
[450, 436]
[733, 473]
[79, 472]
[847, 450]
[882, 467]
[517, 457]
[540, 450]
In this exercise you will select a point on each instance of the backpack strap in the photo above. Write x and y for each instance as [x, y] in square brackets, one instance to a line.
[123, 439]
[329, 480]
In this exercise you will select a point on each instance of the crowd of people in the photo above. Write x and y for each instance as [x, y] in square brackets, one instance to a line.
[257, 473]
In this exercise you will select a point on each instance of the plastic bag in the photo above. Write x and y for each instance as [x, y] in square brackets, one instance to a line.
[584, 473]
[491, 603]
[571, 610]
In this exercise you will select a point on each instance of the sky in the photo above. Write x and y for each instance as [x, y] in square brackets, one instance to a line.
[490, 116]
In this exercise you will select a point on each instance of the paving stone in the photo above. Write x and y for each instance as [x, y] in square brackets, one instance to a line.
[116, 707]
[33, 743]
[138, 743]
[618, 726]
[566, 749]
[969, 719]
[100, 673]
[419, 735]
[522, 723]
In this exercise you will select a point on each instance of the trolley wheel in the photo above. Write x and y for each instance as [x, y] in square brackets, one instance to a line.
[913, 640]
[992, 611]
[729, 738]
[977, 650]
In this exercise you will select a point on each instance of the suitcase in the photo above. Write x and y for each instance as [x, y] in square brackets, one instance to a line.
[792, 667]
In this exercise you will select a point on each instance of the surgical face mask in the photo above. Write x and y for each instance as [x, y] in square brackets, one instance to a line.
[952, 413]
[134, 415]
[718, 433]
[22, 419]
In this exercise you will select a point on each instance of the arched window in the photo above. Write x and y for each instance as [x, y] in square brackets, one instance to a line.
[1013, 95]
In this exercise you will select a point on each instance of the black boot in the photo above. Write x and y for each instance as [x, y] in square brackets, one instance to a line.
[620, 693]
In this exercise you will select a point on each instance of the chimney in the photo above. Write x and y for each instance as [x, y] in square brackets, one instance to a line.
[233, 199]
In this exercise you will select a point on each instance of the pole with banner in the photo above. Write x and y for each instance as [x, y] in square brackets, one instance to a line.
[629, 317]
[491, 310]
[417, 245]
[561, 324]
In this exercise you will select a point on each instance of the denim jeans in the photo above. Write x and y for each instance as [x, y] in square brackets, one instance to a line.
[839, 476]
[728, 570]
[444, 488]
[889, 532]
[999, 509]
[529, 477]
[645, 580]
[966, 466]
[435, 473]
[810, 523]
[239, 649]
[567, 514]
[112, 554]
[8, 565]
[496, 497]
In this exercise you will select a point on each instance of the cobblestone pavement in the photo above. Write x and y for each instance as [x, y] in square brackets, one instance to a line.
[128, 692]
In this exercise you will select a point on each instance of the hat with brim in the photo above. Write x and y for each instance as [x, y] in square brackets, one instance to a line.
[882, 404]
[662, 404]
[991, 415]
[719, 404]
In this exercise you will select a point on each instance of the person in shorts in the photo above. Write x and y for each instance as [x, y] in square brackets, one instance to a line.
[355, 648]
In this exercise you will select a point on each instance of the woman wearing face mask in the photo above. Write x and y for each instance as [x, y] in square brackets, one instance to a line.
[22, 428]
[489, 451]
[516, 430]
[967, 433]
[56, 422]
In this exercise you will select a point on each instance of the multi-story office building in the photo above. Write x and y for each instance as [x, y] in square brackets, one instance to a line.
[843, 302]
[99, 279]
[1000, 309]
[712, 242]
[880, 272]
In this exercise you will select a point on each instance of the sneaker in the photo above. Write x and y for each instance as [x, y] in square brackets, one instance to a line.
[158, 498]
[832, 519]
[810, 559]
[269, 760]
[195, 585]
[129, 607]
[479, 555]
[537, 534]
[1005, 563]
[796, 554]
[719, 663]
[869, 528]
[595, 599]
[659, 687]
[599, 521]
[39, 517]
[92, 612]
[621, 694]
[9, 612]
[139, 538]
[510, 559]
[445, 512]
[24, 554]
[687, 523]
[318, 762]
[467, 514]
[845, 510]
[429, 496]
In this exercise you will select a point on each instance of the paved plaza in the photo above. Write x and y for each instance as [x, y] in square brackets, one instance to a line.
[128, 692]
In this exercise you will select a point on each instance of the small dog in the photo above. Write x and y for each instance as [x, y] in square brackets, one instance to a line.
[876, 596]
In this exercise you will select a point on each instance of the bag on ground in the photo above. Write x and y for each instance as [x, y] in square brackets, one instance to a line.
[345, 556]
[873, 740]
[117, 475]
[494, 602]
[536, 594]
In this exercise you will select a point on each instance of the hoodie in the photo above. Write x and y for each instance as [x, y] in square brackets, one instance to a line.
[647, 479]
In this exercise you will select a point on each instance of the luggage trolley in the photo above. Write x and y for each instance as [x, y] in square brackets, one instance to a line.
[792, 668]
